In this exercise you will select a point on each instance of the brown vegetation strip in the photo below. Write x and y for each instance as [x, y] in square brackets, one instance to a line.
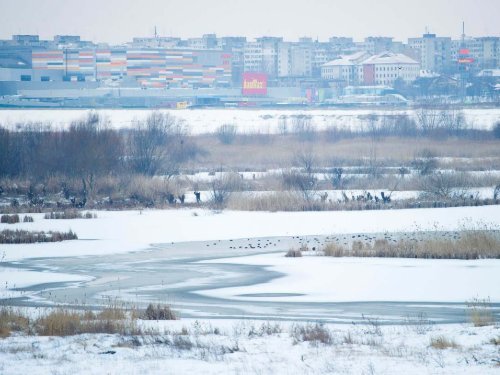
[471, 245]
[8, 236]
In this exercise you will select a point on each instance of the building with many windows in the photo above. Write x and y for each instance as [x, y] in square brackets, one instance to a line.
[433, 52]
[362, 68]
[387, 67]
[347, 69]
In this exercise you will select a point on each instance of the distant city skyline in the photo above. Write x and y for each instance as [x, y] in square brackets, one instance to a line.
[118, 21]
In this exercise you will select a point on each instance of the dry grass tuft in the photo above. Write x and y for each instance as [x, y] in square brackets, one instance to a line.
[111, 313]
[69, 214]
[334, 250]
[480, 312]
[273, 202]
[442, 342]
[12, 320]
[9, 219]
[63, 322]
[314, 334]
[293, 253]
[23, 236]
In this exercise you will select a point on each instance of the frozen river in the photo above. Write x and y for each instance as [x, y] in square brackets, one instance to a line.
[231, 264]
[251, 278]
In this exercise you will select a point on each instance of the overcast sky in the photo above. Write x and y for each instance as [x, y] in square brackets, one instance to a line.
[117, 21]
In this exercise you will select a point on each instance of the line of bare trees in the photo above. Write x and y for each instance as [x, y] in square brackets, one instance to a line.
[91, 147]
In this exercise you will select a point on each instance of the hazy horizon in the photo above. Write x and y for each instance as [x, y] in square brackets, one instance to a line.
[115, 21]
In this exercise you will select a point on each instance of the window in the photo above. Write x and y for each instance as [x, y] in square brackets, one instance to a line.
[45, 78]
[25, 77]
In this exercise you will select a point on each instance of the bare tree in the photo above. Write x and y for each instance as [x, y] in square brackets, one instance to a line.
[303, 127]
[428, 118]
[446, 185]
[226, 133]
[425, 162]
[222, 186]
[156, 145]
[302, 179]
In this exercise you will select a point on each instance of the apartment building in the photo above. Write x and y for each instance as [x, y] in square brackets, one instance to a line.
[433, 52]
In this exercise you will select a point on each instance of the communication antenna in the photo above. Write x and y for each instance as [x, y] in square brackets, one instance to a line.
[157, 37]
[463, 33]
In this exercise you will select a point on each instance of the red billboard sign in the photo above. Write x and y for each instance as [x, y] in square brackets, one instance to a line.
[254, 84]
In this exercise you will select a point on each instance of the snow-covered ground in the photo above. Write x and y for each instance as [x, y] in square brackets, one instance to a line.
[320, 279]
[249, 347]
[12, 278]
[208, 120]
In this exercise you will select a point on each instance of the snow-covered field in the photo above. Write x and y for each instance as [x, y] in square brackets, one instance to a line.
[249, 347]
[126, 231]
[316, 279]
[208, 120]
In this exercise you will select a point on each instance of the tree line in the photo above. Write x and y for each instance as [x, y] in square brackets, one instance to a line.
[91, 147]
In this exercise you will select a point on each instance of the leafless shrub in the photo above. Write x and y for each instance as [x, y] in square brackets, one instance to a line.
[314, 334]
[419, 323]
[446, 185]
[334, 176]
[148, 191]
[303, 179]
[372, 326]
[304, 129]
[348, 338]
[158, 312]
[442, 342]
[265, 329]
[23, 236]
[9, 219]
[425, 162]
[293, 253]
[226, 133]
[428, 118]
[222, 186]
[480, 312]
[28, 219]
[69, 214]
